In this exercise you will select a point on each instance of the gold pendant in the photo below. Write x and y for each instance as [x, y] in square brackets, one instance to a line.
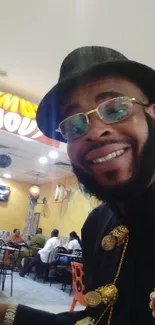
[109, 294]
[86, 321]
[109, 242]
[104, 295]
[121, 233]
[116, 237]
[93, 299]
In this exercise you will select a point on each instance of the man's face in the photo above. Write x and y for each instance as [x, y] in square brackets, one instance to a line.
[124, 140]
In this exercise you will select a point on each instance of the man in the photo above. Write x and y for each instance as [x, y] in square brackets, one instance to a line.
[31, 249]
[38, 240]
[104, 107]
[43, 254]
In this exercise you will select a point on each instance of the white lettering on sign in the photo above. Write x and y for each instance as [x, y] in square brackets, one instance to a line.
[27, 126]
[12, 121]
[18, 115]
[24, 126]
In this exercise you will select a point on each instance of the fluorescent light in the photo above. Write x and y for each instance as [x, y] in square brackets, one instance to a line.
[7, 175]
[43, 160]
[53, 154]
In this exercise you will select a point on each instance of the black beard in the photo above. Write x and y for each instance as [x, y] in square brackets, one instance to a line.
[128, 191]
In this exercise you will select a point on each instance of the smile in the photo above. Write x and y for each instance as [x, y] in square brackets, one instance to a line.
[109, 157]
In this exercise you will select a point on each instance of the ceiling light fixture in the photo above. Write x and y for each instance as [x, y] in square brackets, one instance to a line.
[53, 154]
[7, 175]
[43, 160]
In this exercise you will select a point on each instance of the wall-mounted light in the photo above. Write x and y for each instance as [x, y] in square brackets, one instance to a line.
[34, 191]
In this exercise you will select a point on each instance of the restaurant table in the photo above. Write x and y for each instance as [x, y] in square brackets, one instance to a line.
[5, 252]
[71, 257]
[8, 248]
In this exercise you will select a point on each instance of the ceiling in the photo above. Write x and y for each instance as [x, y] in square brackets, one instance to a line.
[35, 38]
[25, 160]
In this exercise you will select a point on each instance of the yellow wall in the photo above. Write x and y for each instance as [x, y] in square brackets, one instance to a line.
[68, 215]
[13, 212]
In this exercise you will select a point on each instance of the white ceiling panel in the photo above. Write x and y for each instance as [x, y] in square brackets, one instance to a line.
[25, 160]
[36, 35]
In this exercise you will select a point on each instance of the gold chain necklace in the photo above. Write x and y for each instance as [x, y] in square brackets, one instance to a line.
[111, 306]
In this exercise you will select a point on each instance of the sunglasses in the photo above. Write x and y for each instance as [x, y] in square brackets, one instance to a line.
[111, 111]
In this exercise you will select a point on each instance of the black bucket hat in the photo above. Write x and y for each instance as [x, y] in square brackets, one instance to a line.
[83, 65]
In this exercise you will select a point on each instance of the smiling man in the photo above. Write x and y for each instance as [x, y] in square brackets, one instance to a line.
[103, 106]
[110, 157]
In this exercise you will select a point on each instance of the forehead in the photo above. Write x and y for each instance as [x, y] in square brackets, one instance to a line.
[99, 90]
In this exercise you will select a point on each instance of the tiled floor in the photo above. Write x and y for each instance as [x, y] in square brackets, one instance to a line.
[38, 295]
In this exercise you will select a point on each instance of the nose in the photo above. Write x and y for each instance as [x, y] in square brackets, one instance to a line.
[98, 129]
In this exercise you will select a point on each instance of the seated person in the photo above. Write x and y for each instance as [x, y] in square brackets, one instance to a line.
[74, 242]
[43, 253]
[15, 237]
[37, 241]
[14, 241]
[73, 245]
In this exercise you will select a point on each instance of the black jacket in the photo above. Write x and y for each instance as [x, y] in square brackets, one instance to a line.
[137, 276]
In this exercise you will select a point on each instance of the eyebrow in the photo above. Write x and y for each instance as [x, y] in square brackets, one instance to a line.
[103, 95]
[107, 94]
[71, 107]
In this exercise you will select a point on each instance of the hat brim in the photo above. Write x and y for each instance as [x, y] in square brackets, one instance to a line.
[50, 110]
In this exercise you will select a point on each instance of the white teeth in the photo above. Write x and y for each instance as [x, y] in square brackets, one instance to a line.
[110, 156]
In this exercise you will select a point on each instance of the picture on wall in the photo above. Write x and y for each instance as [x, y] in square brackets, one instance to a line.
[4, 193]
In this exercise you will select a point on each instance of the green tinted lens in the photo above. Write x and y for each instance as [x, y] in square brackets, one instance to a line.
[115, 110]
[74, 126]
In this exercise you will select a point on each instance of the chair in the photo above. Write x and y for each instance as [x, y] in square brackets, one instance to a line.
[7, 265]
[2, 243]
[67, 279]
[58, 272]
[43, 268]
[78, 286]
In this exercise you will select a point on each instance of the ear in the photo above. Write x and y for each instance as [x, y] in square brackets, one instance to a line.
[151, 111]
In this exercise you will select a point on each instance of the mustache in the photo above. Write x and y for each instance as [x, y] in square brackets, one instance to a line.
[104, 143]
[143, 170]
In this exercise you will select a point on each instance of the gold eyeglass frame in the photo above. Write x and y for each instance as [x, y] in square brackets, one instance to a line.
[131, 101]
